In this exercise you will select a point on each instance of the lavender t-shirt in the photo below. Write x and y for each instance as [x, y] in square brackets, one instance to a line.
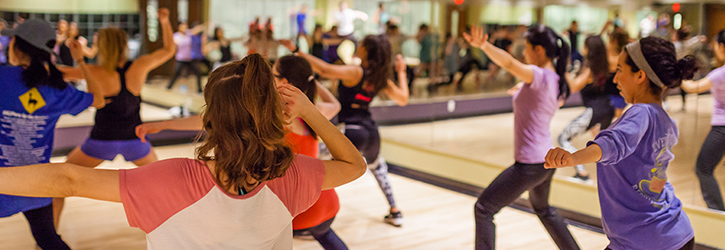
[639, 207]
[534, 106]
[183, 46]
[717, 77]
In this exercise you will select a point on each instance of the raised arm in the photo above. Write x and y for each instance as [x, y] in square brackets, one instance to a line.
[328, 105]
[160, 56]
[60, 180]
[399, 94]
[349, 74]
[477, 38]
[348, 164]
[94, 86]
[192, 123]
[699, 86]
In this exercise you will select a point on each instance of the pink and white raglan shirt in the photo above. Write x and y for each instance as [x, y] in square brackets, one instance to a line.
[179, 205]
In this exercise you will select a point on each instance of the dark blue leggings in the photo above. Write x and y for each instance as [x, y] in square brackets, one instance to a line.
[43, 229]
[326, 237]
[711, 153]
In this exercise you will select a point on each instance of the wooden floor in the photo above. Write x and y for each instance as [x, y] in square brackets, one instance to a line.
[435, 218]
[490, 139]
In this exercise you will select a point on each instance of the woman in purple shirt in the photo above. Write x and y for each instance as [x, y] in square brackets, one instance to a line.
[535, 101]
[713, 148]
[639, 207]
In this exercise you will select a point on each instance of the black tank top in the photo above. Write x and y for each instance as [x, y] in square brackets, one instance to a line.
[355, 102]
[226, 53]
[64, 55]
[597, 95]
[118, 119]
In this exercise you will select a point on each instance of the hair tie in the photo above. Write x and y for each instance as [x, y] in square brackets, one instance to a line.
[312, 77]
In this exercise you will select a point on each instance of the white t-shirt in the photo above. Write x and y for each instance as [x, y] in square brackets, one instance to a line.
[345, 19]
[179, 205]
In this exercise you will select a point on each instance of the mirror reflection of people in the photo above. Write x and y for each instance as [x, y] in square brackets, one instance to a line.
[712, 150]
[184, 59]
[345, 18]
[4, 43]
[636, 152]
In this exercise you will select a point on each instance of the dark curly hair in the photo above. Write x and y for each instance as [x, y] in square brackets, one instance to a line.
[379, 62]
[660, 55]
[556, 49]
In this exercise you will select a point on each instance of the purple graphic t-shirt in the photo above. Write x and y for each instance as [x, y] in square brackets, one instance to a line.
[534, 106]
[639, 207]
[717, 77]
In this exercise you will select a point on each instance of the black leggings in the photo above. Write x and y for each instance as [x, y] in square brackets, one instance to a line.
[326, 237]
[365, 137]
[191, 66]
[505, 189]
[43, 229]
[711, 154]
[689, 246]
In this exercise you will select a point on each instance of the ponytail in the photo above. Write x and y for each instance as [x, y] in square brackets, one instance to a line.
[36, 74]
[561, 61]
[556, 49]
[298, 72]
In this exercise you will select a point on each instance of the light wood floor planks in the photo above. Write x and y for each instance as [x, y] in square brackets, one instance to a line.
[490, 139]
[435, 218]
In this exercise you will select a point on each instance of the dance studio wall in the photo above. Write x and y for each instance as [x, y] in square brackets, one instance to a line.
[71, 6]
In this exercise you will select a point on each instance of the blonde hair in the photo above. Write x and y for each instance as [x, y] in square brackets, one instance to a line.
[112, 47]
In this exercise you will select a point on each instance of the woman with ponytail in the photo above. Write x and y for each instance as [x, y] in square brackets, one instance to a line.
[114, 130]
[713, 149]
[535, 101]
[34, 96]
[245, 185]
[639, 206]
[359, 85]
[594, 84]
[295, 71]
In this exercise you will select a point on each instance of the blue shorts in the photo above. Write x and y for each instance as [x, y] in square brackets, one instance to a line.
[107, 150]
[617, 101]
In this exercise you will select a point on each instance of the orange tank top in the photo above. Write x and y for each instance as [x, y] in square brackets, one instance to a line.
[328, 204]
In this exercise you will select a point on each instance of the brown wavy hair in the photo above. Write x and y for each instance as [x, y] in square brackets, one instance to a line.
[244, 124]
[112, 47]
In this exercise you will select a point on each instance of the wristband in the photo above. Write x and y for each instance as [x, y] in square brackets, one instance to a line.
[297, 49]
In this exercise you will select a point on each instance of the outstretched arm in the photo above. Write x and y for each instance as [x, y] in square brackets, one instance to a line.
[60, 180]
[349, 74]
[699, 86]
[192, 123]
[348, 164]
[477, 38]
[160, 56]
[559, 158]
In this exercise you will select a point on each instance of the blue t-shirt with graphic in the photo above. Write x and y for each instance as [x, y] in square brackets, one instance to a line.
[639, 207]
[28, 118]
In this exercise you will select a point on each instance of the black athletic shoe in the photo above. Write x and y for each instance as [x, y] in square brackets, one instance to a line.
[395, 219]
[581, 177]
